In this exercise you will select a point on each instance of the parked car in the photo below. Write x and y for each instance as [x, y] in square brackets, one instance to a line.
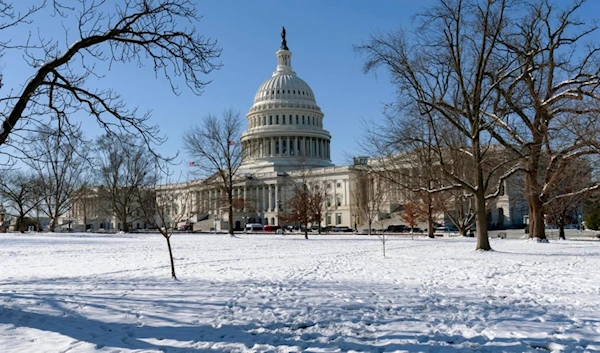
[254, 227]
[269, 228]
[396, 228]
[373, 231]
[343, 229]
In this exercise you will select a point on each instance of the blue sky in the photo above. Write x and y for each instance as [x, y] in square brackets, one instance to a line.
[320, 35]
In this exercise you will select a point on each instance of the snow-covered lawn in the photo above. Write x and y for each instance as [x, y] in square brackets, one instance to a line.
[266, 293]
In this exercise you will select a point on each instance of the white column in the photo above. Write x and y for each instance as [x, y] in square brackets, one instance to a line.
[280, 149]
[288, 146]
[276, 198]
[319, 149]
[272, 146]
[269, 198]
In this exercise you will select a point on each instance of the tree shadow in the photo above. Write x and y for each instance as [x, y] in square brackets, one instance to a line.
[325, 317]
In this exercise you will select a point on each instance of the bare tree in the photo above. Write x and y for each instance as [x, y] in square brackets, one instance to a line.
[368, 196]
[163, 206]
[213, 145]
[459, 209]
[320, 199]
[564, 210]
[21, 191]
[125, 167]
[442, 68]
[82, 200]
[547, 83]
[160, 34]
[300, 207]
[58, 162]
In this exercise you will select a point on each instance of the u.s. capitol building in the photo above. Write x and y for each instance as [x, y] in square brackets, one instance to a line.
[285, 144]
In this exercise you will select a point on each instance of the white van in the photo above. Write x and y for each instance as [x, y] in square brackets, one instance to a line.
[254, 227]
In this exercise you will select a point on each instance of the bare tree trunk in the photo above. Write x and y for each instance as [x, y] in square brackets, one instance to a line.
[306, 231]
[230, 208]
[537, 227]
[370, 223]
[52, 225]
[173, 276]
[383, 245]
[561, 232]
[21, 225]
[430, 226]
[483, 242]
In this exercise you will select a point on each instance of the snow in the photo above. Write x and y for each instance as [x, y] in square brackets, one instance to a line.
[266, 293]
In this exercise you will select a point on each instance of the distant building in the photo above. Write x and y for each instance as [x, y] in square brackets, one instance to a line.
[285, 143]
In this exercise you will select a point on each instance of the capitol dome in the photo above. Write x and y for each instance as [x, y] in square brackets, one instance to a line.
[285, 86]
[285, 124]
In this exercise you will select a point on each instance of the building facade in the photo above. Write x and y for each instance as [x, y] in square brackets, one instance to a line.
[285, 144]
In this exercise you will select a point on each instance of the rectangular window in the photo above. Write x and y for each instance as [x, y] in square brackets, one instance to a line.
[283, 119]
[277, 147]
[302, 119]
[284, 146]
[264, 120]
[276, 119]
[338, 218]
[339, 185]
[338, 201]
[328, 219]
[290, 119]
[297, 120]
[270, 119]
